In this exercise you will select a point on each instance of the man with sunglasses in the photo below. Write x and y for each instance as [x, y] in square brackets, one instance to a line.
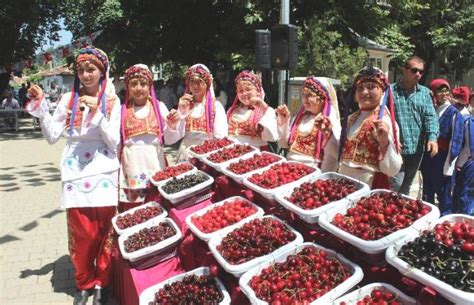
[418, 122]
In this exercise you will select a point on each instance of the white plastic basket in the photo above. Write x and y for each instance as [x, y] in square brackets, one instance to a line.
[148, 295]
[141, 225]
[271, 193]
[240, 178]
[337, 291]
[224, 164]
[202, 156]
[187, 193]
[449, 292]
[207, 236]
[238, 270]
[191, 171]
[162, 246]
[311, 216]
[357, 295]
[371, 246]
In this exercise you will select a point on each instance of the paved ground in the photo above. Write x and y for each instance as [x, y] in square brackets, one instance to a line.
[34, 261]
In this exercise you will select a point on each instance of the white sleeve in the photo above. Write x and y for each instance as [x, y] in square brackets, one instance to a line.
[109, 128]
[269, 123]
[37, 108]
[171, 136]
[392, 161]
[284, 135]
[221, 128]
[53, 126]
[331, 152]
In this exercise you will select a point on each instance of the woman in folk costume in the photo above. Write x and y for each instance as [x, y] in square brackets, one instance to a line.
[90, 115]
[146, 126]
[313, 135]
[251, 121]
[202, 117]
[370, 149]
[463, 197]
[437, 171]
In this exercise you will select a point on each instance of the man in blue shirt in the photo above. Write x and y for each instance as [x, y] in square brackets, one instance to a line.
[417, 120]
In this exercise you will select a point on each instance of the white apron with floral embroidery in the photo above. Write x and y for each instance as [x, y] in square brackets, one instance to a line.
[89, 174]
[139, 163]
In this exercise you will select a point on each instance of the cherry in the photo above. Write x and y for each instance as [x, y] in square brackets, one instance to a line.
[211, 145]
[229, 153]
[139, 216]
[172, 171]
[253, 163]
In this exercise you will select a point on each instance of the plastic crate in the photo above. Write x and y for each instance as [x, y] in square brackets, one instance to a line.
[191, 171]
[219, 166]
[201, 156]
[311, 216]
[187, 193]
[337, 291]
[238, 270]
[371, 246]
[148, 294]
[239, 178]
[162, 246]
[141, 225]
[207, 236]
[271, 193]
[357, 295]
[449, 292]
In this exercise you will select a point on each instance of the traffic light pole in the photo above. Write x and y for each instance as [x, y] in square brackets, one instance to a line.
[282, 82]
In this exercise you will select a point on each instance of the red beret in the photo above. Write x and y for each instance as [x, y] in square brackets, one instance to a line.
[438, 82]
[462, 94]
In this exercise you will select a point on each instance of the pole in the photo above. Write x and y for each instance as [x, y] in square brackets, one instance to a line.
[284, 19]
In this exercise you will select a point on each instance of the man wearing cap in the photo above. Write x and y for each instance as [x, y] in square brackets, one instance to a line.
[438, 170]
[417, 120]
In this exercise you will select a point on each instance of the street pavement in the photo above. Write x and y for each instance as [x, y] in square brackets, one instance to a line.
[35, 268]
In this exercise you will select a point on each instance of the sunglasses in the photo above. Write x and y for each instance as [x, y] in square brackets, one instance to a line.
[415, 70]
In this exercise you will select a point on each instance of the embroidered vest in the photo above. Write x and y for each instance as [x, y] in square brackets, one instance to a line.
[199, 124]
[78, 117]
[306, 143]
[245, 128]
[362, 147]
[147, 125]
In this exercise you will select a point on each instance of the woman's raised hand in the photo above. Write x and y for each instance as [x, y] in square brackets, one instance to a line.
[185, 103]
[172, 119]
[35, 92]
[381, 130]
[283, 114]
[323, 122]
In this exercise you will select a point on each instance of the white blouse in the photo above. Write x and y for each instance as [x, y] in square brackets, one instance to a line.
[267, 121]
[89, 163]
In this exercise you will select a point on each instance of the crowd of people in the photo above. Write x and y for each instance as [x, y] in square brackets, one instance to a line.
[113, 148]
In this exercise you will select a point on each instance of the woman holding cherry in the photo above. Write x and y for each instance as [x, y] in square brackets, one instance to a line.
[90, 115]
[370, 146]
[313, 135]
[201, 116]
[146, 126]
[251, 121]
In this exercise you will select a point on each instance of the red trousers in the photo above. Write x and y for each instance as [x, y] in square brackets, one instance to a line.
[90, 245]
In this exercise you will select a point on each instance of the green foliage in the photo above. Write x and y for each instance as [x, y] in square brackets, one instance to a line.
[392, 37]
[323, 53]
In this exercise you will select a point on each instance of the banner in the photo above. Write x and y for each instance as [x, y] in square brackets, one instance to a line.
[58, 53]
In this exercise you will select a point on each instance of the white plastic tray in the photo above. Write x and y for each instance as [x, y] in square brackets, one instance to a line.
[370, 246]
[186, 193]
[337, 291]
[154, 249]
[141, 225]
[201, 156]
[449, 292]
[218, 166]
[311, 216]
[240, 178]
[207, 236]
[357, 295]
[271, 193]
[191, 171]
[238, 270]
[148, 295]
